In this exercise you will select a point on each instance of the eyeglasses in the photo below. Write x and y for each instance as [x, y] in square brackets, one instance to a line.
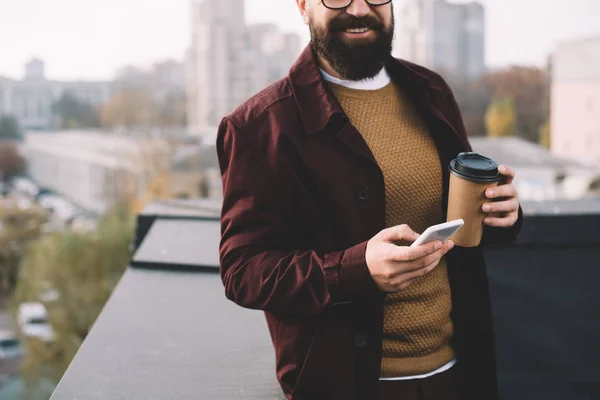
[339, 4]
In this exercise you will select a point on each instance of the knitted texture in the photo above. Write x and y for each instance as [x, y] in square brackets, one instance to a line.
[417, 328]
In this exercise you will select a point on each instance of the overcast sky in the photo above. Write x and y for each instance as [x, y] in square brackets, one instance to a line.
[84, 39]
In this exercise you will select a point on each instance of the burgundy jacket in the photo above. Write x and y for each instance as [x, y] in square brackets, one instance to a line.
[302, 195]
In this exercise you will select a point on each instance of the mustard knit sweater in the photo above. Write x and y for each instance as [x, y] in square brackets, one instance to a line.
[417, 328]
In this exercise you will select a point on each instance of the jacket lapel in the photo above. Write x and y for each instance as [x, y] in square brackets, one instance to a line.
[350, 137]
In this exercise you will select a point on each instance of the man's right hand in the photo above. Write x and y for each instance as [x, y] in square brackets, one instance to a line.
[393, 267]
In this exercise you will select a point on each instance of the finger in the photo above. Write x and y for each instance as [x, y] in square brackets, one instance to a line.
[426, 260]
[505, 222]
[408, 254]
[508, 190]
[399, 232]
[508, 173]
[501, 206]
[407, 279]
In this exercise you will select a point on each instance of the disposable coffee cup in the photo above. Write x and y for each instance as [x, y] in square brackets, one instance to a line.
[471, 174]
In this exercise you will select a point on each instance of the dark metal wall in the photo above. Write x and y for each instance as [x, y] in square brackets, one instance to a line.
[546, 303]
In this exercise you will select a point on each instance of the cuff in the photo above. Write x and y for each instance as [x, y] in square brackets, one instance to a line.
[493, 235]
[348, 276]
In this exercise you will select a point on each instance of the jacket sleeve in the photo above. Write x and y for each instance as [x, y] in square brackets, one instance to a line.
[261, 224]
[491, 235]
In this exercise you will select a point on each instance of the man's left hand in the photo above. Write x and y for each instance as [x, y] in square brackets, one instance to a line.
[503, 210]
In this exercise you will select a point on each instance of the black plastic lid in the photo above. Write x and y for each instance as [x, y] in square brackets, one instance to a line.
[475, 167]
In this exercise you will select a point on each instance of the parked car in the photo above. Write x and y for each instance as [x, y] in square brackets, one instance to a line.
[33, 321]
[10, 347]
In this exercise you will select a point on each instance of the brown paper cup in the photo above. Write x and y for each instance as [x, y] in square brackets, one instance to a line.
[465, 200]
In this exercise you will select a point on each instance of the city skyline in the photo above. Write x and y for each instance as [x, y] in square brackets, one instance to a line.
[105, 37]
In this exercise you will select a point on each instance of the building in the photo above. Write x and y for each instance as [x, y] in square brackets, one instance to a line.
[31, 99]
[446, 37]
[95, 170]
[541, 176]
[575, 105]
[229, 61]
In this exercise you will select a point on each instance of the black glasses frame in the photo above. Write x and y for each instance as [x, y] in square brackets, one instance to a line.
[350, 2]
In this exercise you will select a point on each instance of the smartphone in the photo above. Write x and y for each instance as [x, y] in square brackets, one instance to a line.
[440, 232]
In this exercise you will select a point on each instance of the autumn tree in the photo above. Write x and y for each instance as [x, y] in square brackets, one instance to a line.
[545, 132]
[530, 90]
[11, 162]
[152, 98]
[501, 118]
[129, 108]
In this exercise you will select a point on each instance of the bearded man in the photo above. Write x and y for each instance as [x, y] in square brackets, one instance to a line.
[328, 175]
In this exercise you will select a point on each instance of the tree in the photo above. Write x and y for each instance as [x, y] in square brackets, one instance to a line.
[81, 269]
[129, 108]
[74, 113]
[501, 118]
[171, 111]
[152, 98]
[9, 128]
[473, 98]
[11, 162]
[530, 89]
[545, 132]
[19, 227]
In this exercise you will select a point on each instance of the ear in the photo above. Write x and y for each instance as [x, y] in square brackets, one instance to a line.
[303, 7]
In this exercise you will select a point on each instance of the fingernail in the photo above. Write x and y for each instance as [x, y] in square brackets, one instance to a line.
[486, 207]
[490, 193]
[502, 169]
[438, 246]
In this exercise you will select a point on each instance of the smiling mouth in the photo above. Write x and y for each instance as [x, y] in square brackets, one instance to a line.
[357, 30]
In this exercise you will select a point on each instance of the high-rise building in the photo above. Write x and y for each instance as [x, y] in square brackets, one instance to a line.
[229, 61]
[445, 37]
[575, 110]
[216, 60]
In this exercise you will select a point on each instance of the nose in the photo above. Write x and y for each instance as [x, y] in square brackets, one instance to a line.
[358, 8]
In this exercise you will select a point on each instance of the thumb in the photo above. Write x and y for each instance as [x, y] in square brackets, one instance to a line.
[400, 232]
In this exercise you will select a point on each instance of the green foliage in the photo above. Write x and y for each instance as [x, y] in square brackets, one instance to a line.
[74, 113]
[9, 128]
[501, 118]
[18, 229]
[81, 269]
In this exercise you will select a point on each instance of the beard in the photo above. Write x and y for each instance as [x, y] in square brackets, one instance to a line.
[355, 59]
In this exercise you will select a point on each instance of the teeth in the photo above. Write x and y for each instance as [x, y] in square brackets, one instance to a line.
[357, 30]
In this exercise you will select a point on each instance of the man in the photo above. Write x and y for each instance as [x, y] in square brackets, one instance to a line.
[327, 175]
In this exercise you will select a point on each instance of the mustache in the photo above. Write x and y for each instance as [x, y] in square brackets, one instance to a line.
[344, 22]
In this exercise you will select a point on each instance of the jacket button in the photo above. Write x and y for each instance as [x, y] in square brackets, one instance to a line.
[363, 193]
[360, 340]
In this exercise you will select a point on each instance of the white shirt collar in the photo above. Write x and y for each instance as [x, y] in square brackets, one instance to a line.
[379, 81]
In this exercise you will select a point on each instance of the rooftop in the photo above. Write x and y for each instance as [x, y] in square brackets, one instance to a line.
[518, 152]
[169, 332]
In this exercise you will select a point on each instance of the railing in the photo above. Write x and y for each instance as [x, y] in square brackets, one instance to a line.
[168, 332]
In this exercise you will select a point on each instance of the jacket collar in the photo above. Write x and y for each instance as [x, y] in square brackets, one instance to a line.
[317, 105]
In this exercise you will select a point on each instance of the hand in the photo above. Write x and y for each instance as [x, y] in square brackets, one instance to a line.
[393, 267]
[504, 211]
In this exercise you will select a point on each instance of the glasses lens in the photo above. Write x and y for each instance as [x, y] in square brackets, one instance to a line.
[346, 3]
[336, 3]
